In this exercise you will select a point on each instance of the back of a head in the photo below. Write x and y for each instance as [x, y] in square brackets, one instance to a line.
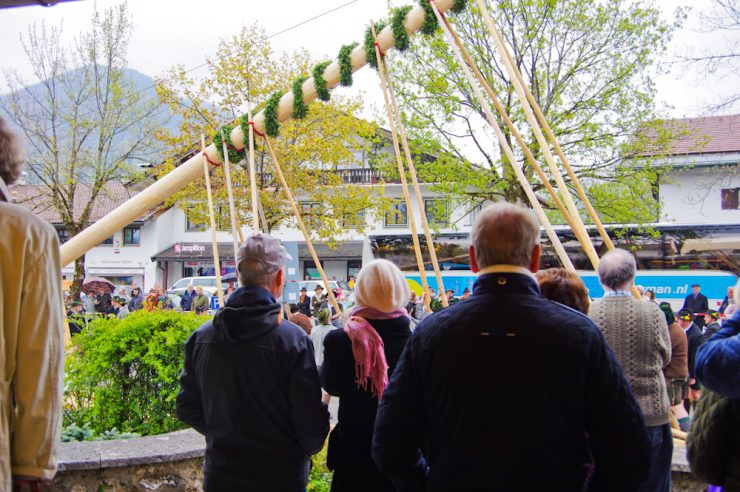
[617, 269]
[259, 260]
[668, 311]
[686, 315]
[560, 285]
[11, 154]
[382, 286]
[504, 234]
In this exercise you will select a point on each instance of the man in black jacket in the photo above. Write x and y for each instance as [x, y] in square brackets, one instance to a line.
[695, 340]
[530, 401]
[697, 303]
[250, 384]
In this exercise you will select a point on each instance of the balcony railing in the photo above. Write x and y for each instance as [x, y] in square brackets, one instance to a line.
[354, 176]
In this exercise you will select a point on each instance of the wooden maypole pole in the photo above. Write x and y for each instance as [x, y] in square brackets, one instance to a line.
[191, 170]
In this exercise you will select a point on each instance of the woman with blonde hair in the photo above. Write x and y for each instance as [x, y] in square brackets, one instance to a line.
[358, 360]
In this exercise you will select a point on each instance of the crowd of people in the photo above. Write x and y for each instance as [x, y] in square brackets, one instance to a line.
[527, 384]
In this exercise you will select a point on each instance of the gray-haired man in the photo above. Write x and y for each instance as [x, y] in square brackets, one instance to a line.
[638, 334]
[250, 384]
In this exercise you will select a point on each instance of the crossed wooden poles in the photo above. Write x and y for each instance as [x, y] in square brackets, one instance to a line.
[191, 169]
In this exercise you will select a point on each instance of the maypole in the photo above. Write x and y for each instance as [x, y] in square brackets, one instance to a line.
[212, 215]
[190, 170]
[526, 186]
[392, 123]
[301, 225]
[394, 117]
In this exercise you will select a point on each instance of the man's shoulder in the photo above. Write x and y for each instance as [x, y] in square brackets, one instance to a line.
[16, 217]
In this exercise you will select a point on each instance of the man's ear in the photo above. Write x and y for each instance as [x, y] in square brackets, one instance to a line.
[534, 266]
[473, 264]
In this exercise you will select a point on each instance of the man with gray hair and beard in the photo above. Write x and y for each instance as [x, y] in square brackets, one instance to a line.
[508, 390]
[638, 334]
[250, 385]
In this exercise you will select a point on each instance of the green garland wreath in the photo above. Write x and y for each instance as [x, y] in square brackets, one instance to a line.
[458, 6]
[430, 24]
[234, 155]
[345, 64]
[400, 36]
[244, 124]
[300, 110]
[369, 44]
[320, 82]
[272, 125]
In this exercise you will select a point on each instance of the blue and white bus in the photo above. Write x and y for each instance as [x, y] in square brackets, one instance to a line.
[666, 265]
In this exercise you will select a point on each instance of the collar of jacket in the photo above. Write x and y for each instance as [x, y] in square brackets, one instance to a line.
[4, 191]
[508, 278]
[249, 296]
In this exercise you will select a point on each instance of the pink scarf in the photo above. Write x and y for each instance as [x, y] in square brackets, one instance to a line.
[367, 348]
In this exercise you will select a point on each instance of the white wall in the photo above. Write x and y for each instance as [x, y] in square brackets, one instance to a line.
[693, 196]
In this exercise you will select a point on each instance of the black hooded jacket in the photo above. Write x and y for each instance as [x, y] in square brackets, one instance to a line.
[250, 385]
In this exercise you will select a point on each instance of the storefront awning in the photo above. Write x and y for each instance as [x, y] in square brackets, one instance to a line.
[194, 252]
[711, 243]
[349, 250]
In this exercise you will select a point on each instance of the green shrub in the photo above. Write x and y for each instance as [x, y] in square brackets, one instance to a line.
[319, 479]
[124, 373]
[74, 432]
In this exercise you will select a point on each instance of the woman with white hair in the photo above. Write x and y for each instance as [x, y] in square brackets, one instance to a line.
[358, 360]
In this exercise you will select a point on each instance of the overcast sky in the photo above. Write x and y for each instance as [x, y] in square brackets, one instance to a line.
[170, 32]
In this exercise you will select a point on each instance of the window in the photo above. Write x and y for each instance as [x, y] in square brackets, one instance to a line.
[108, 241]
[730, 199]
[311, 214]
[437, 211]
[192, 226]
[397, 216]
[131, 236]
[472, 215]
[63, 235]
[354, 220]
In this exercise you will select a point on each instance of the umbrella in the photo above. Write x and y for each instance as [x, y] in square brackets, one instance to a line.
[95, 283]
[228, 277]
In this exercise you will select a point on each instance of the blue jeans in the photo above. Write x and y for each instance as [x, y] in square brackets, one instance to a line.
[661, 456]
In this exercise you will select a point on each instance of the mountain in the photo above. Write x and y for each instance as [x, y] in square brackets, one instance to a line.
[143, 85]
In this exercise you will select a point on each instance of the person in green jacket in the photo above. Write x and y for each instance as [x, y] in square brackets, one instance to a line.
[200, 301]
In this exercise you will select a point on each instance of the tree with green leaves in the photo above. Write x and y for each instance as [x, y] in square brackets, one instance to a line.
[84, 121]
[312, 148]
[588, 66]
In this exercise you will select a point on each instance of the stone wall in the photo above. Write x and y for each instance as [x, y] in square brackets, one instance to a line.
[174, 462]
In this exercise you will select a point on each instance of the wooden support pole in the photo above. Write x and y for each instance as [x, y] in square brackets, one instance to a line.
[385, 77]
[505, 145]
[212, 214]
[229, 193]
[580, 228]
[402, 174]
[252, 173]
[301, 225]
[510, 124]
[556, 145]
[190, 170]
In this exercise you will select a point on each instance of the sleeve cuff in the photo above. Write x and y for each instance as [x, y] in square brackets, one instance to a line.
[28, 471]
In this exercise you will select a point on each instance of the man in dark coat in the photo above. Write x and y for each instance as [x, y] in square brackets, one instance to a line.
[103, 301]
[250, 385]
[697, 303]
[528, 402]
[695, 339]
[186, 301]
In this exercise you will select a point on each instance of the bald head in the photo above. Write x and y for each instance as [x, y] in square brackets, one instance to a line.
[617, 270]
[505, 234]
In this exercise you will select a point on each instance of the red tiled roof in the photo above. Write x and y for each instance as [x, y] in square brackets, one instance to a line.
[705, 135]
[36, 199]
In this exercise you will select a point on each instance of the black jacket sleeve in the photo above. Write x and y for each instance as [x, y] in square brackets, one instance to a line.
[399, 427]
[308, 414]
[189, 405]
[616, 429]
[330, 367]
